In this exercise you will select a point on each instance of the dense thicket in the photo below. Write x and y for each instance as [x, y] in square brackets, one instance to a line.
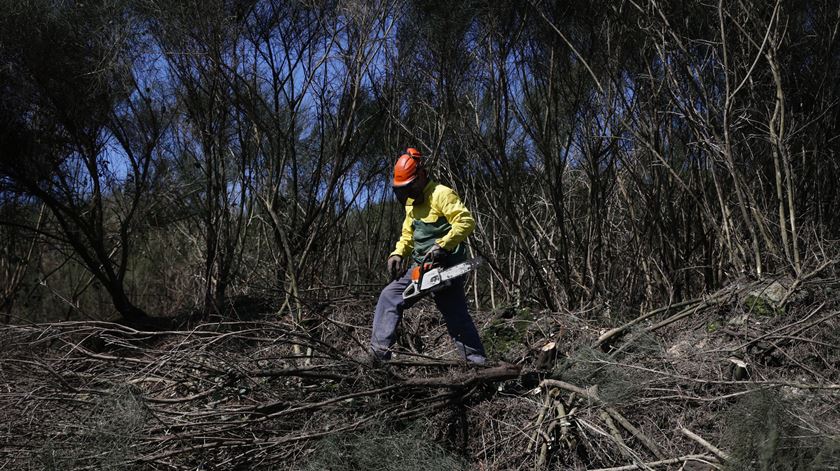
[160, 157]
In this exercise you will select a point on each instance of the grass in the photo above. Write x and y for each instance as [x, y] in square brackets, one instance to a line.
[102, 439]
[764, 432]
[383, 449]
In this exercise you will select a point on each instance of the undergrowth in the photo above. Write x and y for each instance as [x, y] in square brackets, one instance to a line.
[767, 432]
[383, 449]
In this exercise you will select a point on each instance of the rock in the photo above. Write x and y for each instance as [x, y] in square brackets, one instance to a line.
[774, 292]
[766, 301]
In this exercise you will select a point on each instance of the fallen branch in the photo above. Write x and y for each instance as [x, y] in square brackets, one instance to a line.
[676, 317]
[681, 459]
[592, 395]
[619, 330]
[792, 289]
[547, 404]
[498, 373]
[691, 306]
[614, 432]
[697, 438]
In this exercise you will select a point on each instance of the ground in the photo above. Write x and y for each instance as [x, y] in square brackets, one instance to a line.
[730, 380]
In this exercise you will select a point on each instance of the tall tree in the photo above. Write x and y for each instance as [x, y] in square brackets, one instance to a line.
[74, 127]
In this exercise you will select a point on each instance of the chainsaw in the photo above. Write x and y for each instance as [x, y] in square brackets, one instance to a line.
[426, 278]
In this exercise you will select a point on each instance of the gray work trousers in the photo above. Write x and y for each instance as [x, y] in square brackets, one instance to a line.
[451, 302]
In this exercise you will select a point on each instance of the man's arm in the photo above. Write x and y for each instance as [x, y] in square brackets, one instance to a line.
[459, 218]
[406, 243]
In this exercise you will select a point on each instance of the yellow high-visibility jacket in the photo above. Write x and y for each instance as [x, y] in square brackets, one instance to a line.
[440, 219]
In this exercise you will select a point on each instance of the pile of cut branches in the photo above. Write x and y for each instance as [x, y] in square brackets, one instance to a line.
[742, 378]
[92, 395]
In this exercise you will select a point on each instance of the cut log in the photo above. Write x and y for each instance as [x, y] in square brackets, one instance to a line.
[738, 368]
[547, 356]
[489, 375]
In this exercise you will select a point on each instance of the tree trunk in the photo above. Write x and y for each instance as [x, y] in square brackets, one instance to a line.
[7, 310]
[128, 311]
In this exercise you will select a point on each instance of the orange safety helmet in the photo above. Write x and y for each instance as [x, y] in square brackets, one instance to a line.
[406, 169]
[413, 152]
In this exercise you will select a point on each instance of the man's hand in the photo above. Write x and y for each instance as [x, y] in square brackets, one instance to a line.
[437, 254]
[394, 267]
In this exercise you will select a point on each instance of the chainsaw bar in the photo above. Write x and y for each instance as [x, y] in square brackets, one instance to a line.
[460, 269]
[433, 279]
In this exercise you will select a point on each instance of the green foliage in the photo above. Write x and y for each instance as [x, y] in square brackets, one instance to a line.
[764, 432]
[713, 326]
[507, 332]
[762, 306]
[589, 367]
[383, 450]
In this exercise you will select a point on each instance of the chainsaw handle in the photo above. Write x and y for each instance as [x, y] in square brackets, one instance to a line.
[412, 290]
[422, 270]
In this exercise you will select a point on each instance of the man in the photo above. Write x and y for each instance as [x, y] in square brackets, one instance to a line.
[436, 222]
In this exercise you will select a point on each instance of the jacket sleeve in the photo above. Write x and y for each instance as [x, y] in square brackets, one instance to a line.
[459, 218]
[406, 243]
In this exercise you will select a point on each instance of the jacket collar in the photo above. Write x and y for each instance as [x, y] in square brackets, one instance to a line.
[427, 193]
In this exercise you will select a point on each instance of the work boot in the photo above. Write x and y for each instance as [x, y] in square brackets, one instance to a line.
[476, 359]
[370, 359]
